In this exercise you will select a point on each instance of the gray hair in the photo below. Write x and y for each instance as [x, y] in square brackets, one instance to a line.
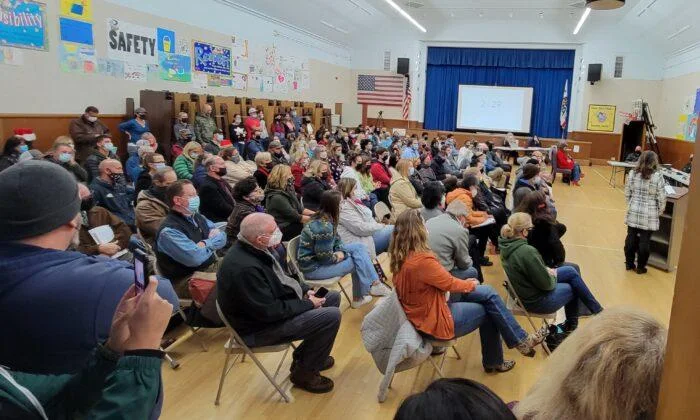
[208, 162]
[254, 225]
[159, 176]
[457, 208]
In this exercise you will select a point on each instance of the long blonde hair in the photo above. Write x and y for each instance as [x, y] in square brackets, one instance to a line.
[609, 369]
[314, 168]
[517, 223]
[404, 166]
[409, 236]
[277, 180]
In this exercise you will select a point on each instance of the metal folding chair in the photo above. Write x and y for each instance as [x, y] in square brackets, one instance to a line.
[516, 306]
[292, 252]
[236, 345]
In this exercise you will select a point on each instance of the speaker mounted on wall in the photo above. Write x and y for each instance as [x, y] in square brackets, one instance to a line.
[594, 72]
[402, 66]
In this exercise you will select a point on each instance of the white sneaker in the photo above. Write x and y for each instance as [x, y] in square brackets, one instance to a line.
[357, 303]
[379, 289]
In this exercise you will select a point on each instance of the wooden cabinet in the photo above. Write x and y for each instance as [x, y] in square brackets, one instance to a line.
[665, 243]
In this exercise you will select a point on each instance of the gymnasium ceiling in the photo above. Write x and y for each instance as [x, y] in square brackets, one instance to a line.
[656, 21]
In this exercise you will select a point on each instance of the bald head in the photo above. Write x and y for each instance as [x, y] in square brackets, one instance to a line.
[110, 167]
[206, 109]
[256, 228]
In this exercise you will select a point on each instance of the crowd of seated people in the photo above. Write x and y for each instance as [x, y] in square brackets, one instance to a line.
[230, 207]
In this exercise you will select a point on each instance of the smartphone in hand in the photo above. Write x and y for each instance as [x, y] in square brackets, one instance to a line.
[140, 278]
[321, 292]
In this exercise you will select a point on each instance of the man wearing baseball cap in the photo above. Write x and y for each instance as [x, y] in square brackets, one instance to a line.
[60, 302]
[252, 123]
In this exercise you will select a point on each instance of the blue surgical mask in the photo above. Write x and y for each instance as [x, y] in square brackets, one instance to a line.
[159, 165]
[412, 171]
[65, 157]
[23, 148]
[193, 204]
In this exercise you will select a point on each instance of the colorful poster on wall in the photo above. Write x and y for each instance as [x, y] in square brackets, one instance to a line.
[255, 82]
[11, 56]
[175, 67]
[182, 46]
[239, 47]
[131, 43]
[696, 109]
[77, 9]
[601, 118]
[212, 59]
[76, 58]
[23, 24]
[136, 72]
[267, 84]
[281, 83]
[76, 31]
[112, 68]
[166, 40]
[214, 80]
[240, 65]
[240, 81]
[687, 127]
[305, 80]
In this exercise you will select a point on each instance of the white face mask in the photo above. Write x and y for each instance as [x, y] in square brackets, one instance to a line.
[92, 119]
[474, 192]
[275, 238]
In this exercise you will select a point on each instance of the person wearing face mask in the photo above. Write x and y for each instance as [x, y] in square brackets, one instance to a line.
[248, 197]
[151, 204]
[236, 168]
[443, 166]
[411, 150]
[314, 184]
[61, 302]
[184, 132]
[402, 194]
[263, 161]
[268, 307]
[289, 126]
[111, 191]
[184, 164]
[205, 125]
[299, 167]
[64, 155]
[254, 146]
[214, 192]
[279, 156]
[380, 173]
[134, 164]
[296, 119]
[104, 149]
[355, 164]
[187, 241]
[466, 192]
[152, 163]
[85, 131]
[136, 127]
[94, 216]
[252, 124]
[278, 128]
[529, 181]
[336, 162]
[237, 133]
[218, 143]
[14, 147]
[281, 202]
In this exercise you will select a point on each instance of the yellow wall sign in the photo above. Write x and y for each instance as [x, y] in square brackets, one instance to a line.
[601, 118]
[77, 9]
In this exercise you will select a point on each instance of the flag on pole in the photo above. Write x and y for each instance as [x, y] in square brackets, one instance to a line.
[407, 99]
[564, 106]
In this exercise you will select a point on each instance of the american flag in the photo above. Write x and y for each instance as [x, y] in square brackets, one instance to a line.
[408, 98]
[380, 90]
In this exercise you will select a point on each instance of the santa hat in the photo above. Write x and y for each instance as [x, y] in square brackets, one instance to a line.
[26, 133]
[226, 143]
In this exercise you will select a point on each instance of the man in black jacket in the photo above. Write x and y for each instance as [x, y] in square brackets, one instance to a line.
[215, 193]
[267, 307]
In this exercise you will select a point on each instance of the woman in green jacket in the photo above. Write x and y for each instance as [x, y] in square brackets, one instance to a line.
[184, 164]
[542, 289]
[281, 202]
[121, 379]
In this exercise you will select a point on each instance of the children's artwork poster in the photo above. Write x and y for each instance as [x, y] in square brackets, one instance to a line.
[255, 82]
[76, 58]
[305, 80]
[135, 72]
[166, 40]
[214, 80]
[212, 59]
[199, 81]
[23, 24]
[268, 84]
[182, 47]
[175, 67]
[687, 127]
[240, 81]
[240, 65]
[130, 43]
[112, 68]
[76, 31]
[77, 9]
[11, 56]
[239, 47]
[601, 118]
[281, 83]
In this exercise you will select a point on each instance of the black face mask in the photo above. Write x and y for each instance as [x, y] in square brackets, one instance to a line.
[142, 116]
[257, 137]
[269, 165]
[87, 204]
[221, 171]
[158, 192]
[118, 179]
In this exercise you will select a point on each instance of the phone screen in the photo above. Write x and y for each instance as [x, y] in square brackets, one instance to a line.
[139, 276]
[321, 292]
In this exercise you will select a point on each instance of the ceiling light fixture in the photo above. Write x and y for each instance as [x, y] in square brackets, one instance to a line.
[406, 15]
[647, 7]
[360, 7]
[583, 19]
[330, 25]
[680, 31]
[605, 4]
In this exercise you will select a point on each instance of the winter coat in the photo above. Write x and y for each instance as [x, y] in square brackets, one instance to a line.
[356, 224]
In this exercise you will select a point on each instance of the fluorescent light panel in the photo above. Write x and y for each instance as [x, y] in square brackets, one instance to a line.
[647, 7]
[680, 31]
[360, 6]
[406, 15]
[583, 19]
[330, 25]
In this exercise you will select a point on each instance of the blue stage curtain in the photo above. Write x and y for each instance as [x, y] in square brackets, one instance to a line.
[544, 70]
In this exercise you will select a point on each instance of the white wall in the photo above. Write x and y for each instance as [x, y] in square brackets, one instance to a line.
[39, 86]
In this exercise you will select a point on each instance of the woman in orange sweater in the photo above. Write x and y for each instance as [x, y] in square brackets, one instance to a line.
[444, 307]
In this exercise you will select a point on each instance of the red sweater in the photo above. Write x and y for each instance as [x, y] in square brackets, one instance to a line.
[563, 161]
[380, 174]
[251, 124]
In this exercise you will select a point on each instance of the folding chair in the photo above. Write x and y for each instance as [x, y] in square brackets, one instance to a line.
[516, 306]
[236, 345]
[292, 252]
[556, 170]
[381, 210]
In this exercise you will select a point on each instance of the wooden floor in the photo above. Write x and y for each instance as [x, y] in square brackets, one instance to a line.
[594, 215]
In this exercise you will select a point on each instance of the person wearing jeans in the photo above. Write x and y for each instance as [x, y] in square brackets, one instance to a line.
[323, 255]
[542, 289]
[422, 286]
[645, 192]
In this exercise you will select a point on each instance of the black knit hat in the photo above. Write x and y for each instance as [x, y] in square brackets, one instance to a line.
[36, 197]
[530, 171]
